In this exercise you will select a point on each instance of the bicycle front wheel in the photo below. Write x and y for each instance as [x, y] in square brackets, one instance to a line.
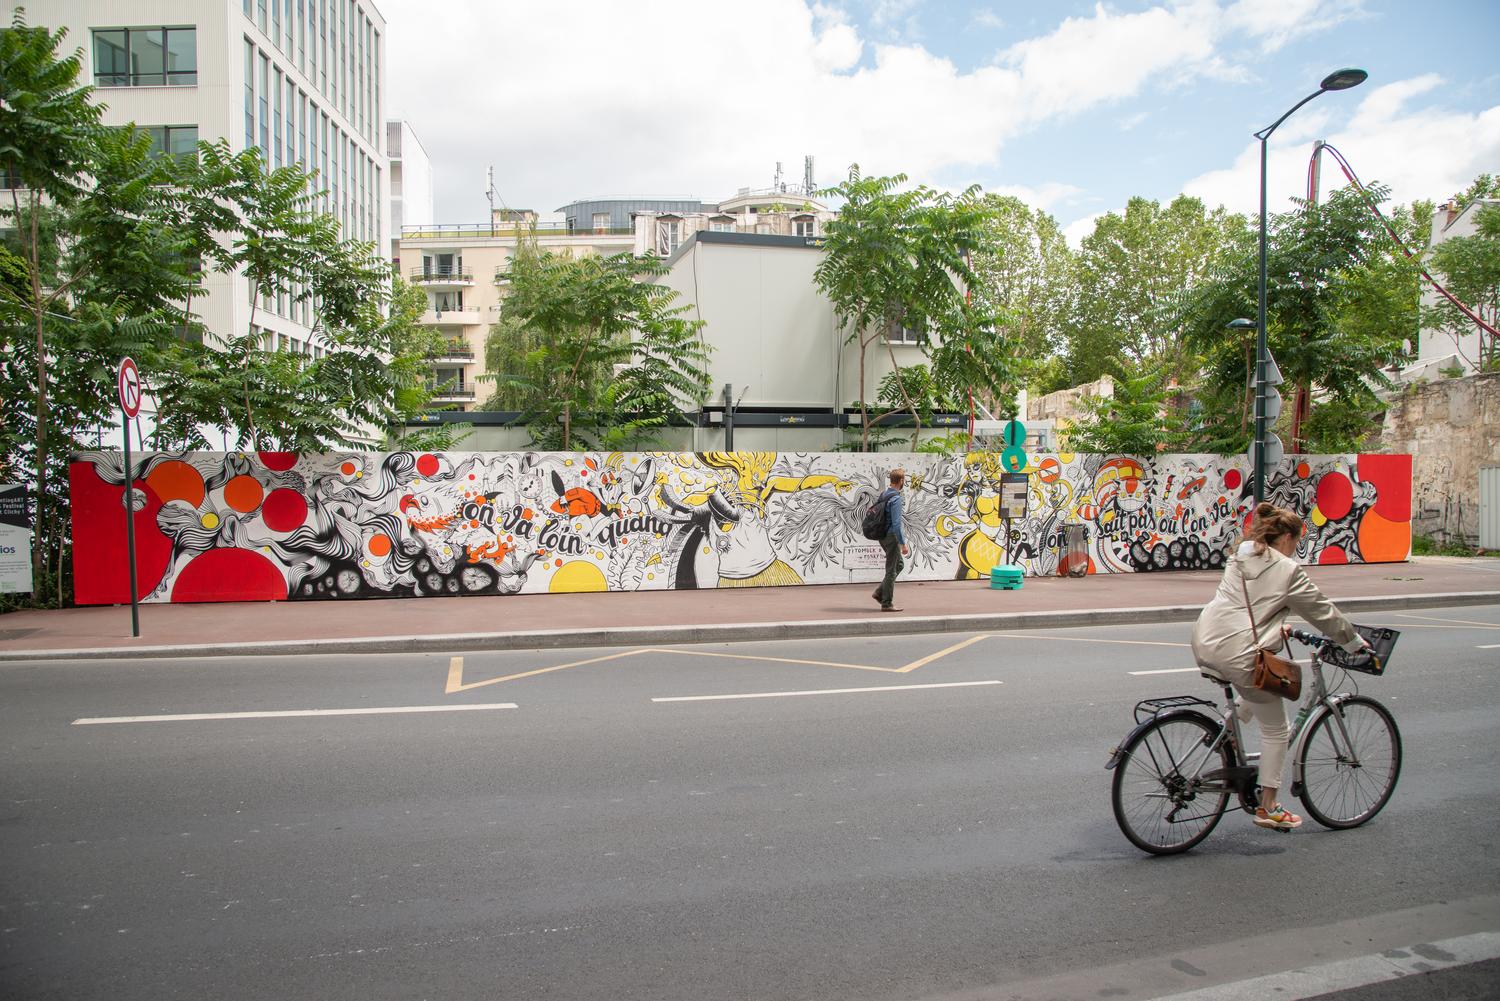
[1348, 772]
[1161, 802]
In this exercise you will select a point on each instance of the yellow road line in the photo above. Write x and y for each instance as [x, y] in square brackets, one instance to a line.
[456, 671]
[941, 653]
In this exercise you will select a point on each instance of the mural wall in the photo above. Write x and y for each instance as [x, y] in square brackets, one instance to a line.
[276, 525]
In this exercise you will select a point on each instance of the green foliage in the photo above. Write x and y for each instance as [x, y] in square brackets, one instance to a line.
[1134, 279]
[594, 351]
[1469, 267]
[1139, 419]
[1338, 426]
[104, 252]
[1023, 281]
[900, 259]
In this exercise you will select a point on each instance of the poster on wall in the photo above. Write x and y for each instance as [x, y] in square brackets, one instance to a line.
[15, 540]
[243, 526]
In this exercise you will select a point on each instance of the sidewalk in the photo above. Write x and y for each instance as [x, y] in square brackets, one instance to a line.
[530, 621]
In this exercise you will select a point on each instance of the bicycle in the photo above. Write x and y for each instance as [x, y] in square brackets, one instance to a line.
[1176, 770]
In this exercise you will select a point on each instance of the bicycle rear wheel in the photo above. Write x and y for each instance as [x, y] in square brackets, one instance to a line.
[1159, 801]
[1345, 783]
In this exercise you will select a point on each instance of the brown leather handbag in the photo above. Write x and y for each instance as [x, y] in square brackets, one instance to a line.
[1273, 674]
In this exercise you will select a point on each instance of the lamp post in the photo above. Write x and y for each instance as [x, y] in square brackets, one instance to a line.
[1338, 80]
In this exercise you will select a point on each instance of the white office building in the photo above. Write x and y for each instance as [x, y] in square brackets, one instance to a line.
[302, 80]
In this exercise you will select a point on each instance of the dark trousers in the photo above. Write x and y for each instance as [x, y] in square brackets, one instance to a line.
[894, 564]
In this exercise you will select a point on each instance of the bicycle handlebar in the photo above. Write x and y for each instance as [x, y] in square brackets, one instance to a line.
[1311, 639]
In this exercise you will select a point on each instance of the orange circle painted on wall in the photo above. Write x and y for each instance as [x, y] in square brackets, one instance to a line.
[176, 480]
[1303, 470]
[380, 545]
[1382, 540]
[347, 469]
[243, 493]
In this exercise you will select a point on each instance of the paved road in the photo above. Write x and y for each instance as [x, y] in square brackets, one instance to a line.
[914, 843]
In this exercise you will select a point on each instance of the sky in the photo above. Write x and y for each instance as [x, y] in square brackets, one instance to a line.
[1073, 107]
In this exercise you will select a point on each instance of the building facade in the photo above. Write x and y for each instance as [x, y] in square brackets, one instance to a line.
[1442, 350]
[303, 81]
[458, 266]
[411, 182]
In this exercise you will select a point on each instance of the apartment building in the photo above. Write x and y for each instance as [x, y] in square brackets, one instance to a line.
[301, 80]
[457, 265]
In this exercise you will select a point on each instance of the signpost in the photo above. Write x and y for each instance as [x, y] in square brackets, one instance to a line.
[1014, 489]
[15, 541]
[128, 381]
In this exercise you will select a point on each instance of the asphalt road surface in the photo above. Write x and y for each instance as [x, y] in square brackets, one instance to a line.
[606, 824]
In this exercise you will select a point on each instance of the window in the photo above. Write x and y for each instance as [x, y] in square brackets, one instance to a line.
[601, 222]
[249, 94]
[265, 110]
[721, 225]
[146, 57]
[291, 121]
[276, 121]
[260, 9]
[276, 22]
[668, 236]
[174, 140]
[804, 226]
[301, 32]
[302, 129]
[905, 335]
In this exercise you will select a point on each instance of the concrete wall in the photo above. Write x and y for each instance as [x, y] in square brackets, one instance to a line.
[1450, 427]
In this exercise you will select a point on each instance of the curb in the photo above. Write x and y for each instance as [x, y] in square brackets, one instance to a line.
[714, 633]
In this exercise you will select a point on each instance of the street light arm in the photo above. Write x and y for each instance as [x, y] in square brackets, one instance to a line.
[1265, 133]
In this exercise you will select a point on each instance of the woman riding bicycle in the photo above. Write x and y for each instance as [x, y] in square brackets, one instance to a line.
[1263, 572]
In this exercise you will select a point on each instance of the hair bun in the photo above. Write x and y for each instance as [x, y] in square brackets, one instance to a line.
[1265, 509]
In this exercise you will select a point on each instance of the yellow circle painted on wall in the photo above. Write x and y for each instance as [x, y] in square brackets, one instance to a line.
[577, 576]
[209, 520]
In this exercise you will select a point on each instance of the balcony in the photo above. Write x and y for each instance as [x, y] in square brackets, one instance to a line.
[453, 355]
[453, 396]
[452, 317]
[511, 230]
[441, 278]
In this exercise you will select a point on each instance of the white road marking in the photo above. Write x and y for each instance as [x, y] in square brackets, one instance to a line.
[1490, 646]
[1049, 637]
[276, 714]
[822, 691]
[1329, 978]
[1169, 670]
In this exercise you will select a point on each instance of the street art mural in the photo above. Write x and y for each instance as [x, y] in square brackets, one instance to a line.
[242, 526]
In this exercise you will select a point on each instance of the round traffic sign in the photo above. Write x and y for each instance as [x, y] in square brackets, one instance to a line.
[128, 381]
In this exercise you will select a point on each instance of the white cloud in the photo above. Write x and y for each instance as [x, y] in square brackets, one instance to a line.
[1075, 231]
[590, 97]
[1426, 152]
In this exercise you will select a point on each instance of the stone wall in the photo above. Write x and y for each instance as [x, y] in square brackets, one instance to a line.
[1450, 428]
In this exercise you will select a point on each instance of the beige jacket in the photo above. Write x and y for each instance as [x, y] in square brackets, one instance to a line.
[1278, 587]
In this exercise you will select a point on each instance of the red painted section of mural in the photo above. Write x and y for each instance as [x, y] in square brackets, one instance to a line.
[99, 549]
[229, 575]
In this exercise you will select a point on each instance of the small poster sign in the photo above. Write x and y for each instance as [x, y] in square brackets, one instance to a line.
[1014, 489]
[15, 540]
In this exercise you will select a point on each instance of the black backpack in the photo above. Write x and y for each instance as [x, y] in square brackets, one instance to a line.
[876, 523]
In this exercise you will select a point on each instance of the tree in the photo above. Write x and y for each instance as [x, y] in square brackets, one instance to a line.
[901, 259]
[1469, 268]
[1341, 299]
[104, 251]
[1132, 277]
[601, 357]
[1139, 419]
[1023, 280]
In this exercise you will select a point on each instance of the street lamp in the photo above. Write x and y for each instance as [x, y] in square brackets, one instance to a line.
[1338, 80]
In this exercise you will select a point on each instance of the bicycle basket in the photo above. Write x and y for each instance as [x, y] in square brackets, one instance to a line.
[1382, 641]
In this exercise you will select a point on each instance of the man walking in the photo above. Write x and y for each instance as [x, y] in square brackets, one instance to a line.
[894, 542]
